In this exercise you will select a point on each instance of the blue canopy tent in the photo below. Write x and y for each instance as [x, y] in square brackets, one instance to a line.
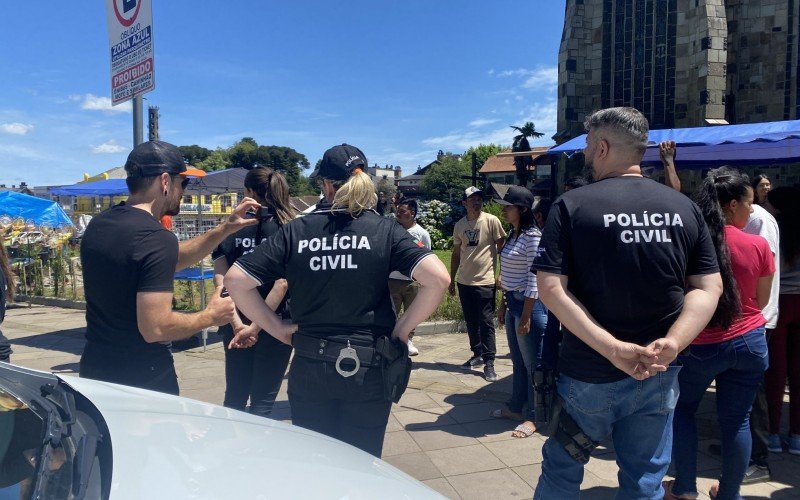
[38, 210]
[108, 187]
[705, 147]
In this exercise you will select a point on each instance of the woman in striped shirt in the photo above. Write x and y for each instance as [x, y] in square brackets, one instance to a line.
[524, 316]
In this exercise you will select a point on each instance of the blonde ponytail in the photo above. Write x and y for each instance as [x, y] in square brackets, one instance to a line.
[356, 195]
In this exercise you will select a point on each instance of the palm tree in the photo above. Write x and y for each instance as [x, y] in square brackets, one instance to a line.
[522, 163]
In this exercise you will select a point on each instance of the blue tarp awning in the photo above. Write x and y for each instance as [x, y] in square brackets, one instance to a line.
[700, 147]
[193, 274]
[38, 210]
[108, 187]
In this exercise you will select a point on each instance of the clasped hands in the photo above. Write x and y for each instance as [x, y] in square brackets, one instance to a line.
[642, 362]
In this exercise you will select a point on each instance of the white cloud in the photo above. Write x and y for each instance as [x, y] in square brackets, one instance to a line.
[15, 128]
[92, 102]
[543, 77]
[480, 122]
[543, 115]
[108, 147]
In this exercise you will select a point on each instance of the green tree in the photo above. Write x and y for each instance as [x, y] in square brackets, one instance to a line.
[244, 154]
[217, 160]
[448, 179]
[482, 153]
[523, 163]
[194, 154]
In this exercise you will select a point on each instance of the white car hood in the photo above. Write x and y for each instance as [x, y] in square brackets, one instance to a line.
[173, 448]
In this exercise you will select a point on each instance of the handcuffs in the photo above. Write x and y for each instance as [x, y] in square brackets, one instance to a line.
[347, 353]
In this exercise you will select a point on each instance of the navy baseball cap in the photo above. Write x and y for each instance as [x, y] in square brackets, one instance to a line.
[339, 162]
[153, 158]
[517, 195]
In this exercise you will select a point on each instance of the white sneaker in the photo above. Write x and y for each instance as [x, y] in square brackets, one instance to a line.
[412, 349]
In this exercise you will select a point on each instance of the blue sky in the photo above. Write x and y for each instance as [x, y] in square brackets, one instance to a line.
[400, 79]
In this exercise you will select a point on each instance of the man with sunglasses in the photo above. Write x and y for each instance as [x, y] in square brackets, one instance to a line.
[129, 260]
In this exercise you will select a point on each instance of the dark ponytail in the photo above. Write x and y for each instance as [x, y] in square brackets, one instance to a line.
[271, 189]
[720, 187]
[5, 269]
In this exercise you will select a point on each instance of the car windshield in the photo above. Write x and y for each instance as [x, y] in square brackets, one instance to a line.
[22, 432]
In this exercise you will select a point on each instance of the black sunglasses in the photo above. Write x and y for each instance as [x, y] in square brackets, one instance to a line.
[184, 181]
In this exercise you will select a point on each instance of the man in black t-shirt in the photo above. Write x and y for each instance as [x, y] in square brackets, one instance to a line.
[129, 261]
[628, 267]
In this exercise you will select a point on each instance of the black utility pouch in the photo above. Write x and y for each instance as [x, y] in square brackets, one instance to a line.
[396, 367]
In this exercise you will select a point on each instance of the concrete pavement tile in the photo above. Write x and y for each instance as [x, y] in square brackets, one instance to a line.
[487, 431]
[416, 465]
[420, 419]
[449, 400]
[494, 484]
[472, 413]
[393, 425]
[417, 400]
[437, 438]
[594, 488]
[398, 443]
[518, 451]
[605, 469]
[444, 487]
[464, 460]
[529, 473]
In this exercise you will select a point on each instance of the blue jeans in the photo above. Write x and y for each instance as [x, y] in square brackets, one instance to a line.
[738, 366]
[637, 415]
[525, 350]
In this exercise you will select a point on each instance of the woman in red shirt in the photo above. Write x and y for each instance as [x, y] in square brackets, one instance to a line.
[732, 349]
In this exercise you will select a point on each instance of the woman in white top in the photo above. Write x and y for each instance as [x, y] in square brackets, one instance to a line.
[524, 316]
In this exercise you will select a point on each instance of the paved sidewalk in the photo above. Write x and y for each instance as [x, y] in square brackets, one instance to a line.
[441, 432]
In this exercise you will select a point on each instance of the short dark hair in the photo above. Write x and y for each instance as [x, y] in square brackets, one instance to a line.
[411, 203]
[140, 184]
[543, 207]
[629, 123]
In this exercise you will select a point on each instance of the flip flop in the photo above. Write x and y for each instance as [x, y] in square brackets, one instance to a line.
[525, 430]
[506, 414]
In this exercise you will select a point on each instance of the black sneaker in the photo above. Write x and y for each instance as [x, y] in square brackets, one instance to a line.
[473, 362]
[489, 374]
[757, 474]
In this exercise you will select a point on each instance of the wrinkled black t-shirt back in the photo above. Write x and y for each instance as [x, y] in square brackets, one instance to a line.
[626, 245]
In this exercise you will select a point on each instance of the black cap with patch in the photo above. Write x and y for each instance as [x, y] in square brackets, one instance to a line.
[517, 195]
[339, 162]
[156, 157]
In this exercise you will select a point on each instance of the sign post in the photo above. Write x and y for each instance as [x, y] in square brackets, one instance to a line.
[130, 38]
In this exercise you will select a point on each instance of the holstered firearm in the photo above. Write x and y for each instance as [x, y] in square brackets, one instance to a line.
[396, 367]
[565, 430]
[544, 390]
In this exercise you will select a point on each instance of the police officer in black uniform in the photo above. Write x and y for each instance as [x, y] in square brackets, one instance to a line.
[256, 372]
[348, 343]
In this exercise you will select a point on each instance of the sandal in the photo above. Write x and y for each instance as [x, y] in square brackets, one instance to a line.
[507, 414]
[523, 431]
[714, 491]
[669, 495]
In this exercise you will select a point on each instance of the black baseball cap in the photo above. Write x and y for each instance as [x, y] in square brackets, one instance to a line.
[153, 158]
[517, 195]
[339, 162]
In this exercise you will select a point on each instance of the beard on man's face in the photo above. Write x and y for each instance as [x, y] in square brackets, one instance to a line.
[588, 170]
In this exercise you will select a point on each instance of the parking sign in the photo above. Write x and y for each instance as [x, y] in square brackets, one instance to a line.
[130, 39]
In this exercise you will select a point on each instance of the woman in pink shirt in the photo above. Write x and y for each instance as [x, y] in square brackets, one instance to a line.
[732, 349]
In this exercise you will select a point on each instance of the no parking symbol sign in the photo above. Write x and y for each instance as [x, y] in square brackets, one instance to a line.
[130, 38]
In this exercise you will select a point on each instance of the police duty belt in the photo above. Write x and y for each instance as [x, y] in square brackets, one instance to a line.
[336, 352]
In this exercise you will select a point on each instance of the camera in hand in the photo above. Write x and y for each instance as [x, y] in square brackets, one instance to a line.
[261, 213]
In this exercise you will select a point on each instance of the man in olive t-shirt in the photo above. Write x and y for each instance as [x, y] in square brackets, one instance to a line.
[477, 239]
